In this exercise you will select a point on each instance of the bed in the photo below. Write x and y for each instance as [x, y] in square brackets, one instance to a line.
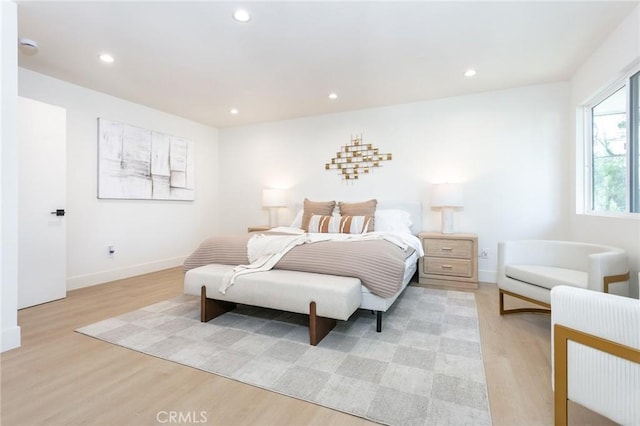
[384, 258]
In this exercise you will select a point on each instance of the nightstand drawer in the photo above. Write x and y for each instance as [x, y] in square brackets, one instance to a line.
[451, 267]
[448, 248]
[258, 228]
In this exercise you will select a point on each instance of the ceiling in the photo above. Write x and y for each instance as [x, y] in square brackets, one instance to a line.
[193, 60]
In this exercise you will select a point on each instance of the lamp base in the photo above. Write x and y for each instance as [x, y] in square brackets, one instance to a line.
[273, 217]
[447, 220]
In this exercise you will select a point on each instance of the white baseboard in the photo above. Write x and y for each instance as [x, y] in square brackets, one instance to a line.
[80, 281]
[488, 276]
[10, 338]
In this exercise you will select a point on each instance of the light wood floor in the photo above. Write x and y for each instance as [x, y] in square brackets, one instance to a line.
[59, 377]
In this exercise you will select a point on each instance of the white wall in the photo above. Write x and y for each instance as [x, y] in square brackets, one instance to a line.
[10, 337]
[147, 235]
[509, 147]
[603, 67]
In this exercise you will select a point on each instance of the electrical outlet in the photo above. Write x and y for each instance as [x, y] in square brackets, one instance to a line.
[111, 251]
[484, 253]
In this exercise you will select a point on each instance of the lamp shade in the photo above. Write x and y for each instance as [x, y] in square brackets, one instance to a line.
[447, 195]
[274, 198]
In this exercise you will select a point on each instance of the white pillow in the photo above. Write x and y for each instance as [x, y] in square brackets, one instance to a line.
[297, 221]
[392, 220]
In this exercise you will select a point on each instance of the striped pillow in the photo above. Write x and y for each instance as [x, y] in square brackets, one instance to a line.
[339, 224]
[365, 208]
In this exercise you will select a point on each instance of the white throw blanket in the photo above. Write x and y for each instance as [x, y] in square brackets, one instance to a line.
[265, 251]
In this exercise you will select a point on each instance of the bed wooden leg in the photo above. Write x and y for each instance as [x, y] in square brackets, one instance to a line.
[378, 321]
[211, 308]
[318, 326]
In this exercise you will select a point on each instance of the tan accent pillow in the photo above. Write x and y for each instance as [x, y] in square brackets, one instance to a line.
[365, 208]
[339, 224]
[322, 208]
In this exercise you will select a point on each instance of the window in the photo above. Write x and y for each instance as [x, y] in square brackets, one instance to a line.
[613, 128]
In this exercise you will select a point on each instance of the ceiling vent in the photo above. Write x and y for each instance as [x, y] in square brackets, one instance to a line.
[27, 46]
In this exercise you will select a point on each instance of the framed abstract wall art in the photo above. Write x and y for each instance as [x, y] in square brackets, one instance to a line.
[140, 164]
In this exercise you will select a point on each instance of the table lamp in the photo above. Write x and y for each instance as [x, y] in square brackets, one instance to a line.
[273, 199]
[447, 197]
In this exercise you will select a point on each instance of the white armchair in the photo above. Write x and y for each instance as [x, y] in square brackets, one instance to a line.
[529, 269]
[595, 349]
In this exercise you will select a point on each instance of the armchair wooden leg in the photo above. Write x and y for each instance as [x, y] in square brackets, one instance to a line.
[561, 337]
[614, 279]
[504, 311]
[560, 376]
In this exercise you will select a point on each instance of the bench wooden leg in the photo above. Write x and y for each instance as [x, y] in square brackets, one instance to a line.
[318, 326]
[211, 308]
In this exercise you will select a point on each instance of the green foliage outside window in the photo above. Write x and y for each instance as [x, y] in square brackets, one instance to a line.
[609, 154]
[609, 176]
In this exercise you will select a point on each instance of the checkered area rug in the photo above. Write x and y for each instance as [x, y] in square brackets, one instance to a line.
[424, 368]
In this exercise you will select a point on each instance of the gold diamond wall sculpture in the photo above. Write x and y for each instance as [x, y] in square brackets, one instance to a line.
[356, 158]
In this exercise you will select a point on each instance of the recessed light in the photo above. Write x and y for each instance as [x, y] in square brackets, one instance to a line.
[234, 111]
[470, 72]
[241, 15]
[333, 96]
[106, 58]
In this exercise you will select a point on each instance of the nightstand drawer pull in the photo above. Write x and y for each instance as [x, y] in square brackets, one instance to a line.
[447, 249]
[447, 267]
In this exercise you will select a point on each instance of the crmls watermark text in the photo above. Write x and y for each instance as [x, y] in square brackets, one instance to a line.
[175, 417]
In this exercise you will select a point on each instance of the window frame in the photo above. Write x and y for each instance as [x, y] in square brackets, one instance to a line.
[631, 173]
[634, 142]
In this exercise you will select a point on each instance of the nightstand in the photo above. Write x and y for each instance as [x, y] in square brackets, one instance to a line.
[258, 228]
[450, 260]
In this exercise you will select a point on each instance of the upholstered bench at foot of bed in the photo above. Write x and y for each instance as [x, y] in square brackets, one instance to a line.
[325, 298]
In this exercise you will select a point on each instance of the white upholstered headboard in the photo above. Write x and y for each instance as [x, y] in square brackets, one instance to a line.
[414, 209]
